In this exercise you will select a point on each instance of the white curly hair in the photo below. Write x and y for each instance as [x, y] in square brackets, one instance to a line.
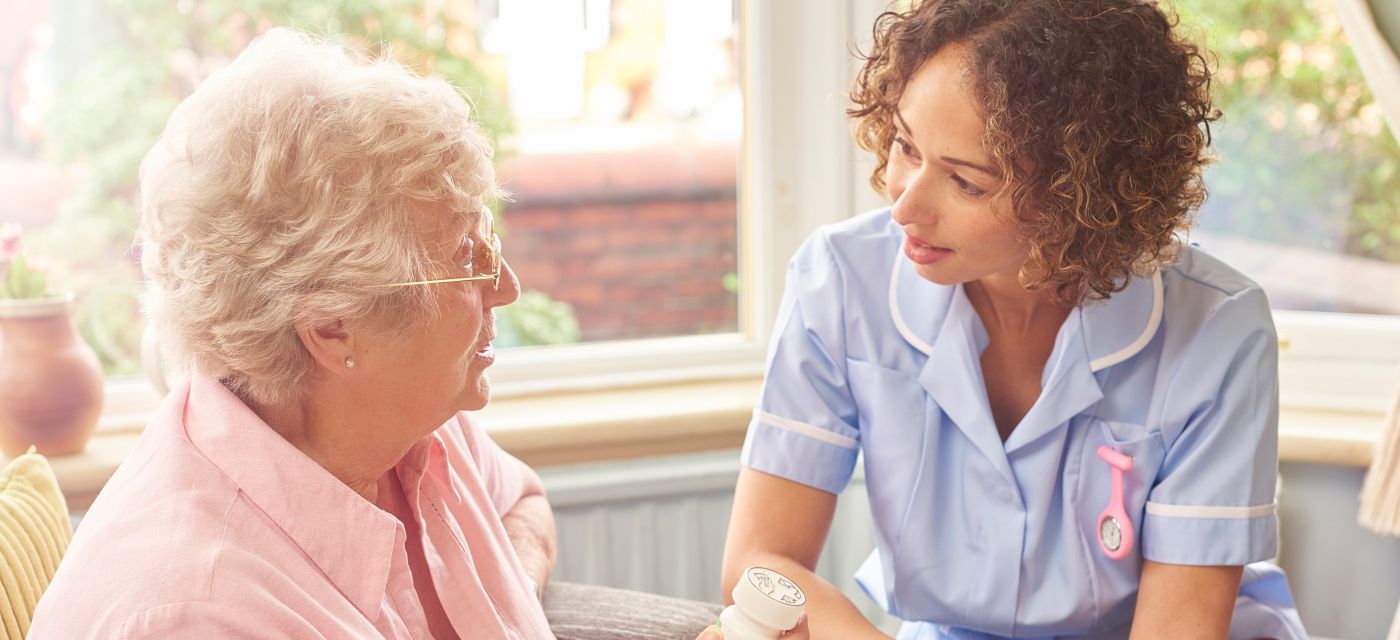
[286, 185]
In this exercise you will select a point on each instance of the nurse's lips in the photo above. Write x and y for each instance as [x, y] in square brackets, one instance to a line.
[922, 252]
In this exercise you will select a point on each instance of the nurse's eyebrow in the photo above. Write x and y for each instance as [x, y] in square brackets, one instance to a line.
[904, 127]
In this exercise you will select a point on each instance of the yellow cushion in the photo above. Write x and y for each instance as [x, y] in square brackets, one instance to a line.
[34, 532]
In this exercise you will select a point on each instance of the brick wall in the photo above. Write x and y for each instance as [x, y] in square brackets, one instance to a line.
[638, 241]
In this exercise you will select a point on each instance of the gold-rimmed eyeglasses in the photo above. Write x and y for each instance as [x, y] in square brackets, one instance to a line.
[483, 261]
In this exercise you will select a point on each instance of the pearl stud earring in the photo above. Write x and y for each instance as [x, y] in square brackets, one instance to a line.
[349, 363]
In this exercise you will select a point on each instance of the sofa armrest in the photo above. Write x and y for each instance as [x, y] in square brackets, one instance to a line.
[590, 612]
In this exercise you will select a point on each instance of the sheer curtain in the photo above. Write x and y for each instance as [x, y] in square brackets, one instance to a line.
[1380, 495]
[1379, 61]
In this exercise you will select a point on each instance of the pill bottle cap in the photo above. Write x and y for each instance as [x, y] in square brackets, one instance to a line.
[769, 598]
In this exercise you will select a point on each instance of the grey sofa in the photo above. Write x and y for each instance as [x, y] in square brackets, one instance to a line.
[589, 612]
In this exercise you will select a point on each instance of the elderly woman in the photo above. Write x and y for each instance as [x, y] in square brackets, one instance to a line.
[1068, 417]
[319, 253]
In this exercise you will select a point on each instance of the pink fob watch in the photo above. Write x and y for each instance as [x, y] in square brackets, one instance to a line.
[1115, 529]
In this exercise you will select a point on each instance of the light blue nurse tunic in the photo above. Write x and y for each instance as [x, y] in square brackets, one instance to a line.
[977, 538]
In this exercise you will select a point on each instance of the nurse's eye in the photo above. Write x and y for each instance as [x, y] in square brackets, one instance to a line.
[967, 187]
[905, 148]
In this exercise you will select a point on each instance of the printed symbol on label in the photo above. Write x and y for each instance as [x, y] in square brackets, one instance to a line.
[777, 587]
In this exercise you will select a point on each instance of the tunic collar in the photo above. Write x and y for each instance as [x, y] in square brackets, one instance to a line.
[940, 322]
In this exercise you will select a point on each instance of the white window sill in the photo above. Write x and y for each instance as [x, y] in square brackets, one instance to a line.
[1346, 438]
[642, 421]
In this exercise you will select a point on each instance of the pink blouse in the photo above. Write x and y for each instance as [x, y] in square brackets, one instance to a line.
[217, 527]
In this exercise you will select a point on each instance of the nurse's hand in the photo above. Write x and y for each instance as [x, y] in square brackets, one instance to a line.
[797, 633]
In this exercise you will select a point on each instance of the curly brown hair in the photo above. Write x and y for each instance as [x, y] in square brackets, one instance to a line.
[1098, 115]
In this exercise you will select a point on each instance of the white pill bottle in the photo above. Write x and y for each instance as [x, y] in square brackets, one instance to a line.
[765, 605]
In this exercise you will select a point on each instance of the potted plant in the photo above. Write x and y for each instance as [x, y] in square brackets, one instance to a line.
[50, 380]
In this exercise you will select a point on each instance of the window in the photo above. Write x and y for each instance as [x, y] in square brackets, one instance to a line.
[619, 127]
[796, 167]
[626, 119]
[1305, 194]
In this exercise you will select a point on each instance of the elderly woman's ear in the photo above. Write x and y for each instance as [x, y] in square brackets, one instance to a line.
[330, 344]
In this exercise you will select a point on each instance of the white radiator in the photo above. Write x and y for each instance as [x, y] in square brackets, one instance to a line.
[658, 525]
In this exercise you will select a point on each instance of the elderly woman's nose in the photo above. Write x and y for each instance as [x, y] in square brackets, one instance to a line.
[509, 289]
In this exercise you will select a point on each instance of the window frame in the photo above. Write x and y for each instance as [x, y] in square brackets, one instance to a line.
[1338, 361]
[798, 169]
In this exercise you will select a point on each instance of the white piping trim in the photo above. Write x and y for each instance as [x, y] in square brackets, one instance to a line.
[1154, 321]
[899, 318]
[804, 429]
[1183, 511]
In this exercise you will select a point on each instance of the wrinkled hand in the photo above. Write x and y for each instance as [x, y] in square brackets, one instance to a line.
[797, 633]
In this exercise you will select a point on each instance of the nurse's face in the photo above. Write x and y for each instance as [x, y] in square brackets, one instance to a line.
[941, 180]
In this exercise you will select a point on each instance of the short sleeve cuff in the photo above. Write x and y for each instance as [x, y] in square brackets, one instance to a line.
[800, 452]
[1209, 536]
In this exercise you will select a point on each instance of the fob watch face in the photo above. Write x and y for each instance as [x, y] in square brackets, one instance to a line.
[1111, 534]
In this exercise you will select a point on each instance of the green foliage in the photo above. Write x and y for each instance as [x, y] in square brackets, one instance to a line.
[151, 54]
[156, 52]
[24, 281]
[109, 295]
[536, 319]
[1304, 156]
[732, 282]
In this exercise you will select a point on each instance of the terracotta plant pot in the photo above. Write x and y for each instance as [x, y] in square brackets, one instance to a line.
[50, 380]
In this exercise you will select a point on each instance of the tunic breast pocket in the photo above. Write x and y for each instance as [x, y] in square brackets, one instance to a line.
[893, 413]
[1144, 446]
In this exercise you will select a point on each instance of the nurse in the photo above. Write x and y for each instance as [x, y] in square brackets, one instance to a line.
[1067, 417]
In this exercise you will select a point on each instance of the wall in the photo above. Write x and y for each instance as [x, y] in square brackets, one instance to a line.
[639, 241]
[658, 525]
[1346, 579]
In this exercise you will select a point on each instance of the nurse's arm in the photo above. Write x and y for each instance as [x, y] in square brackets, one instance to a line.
[1182, 601]
[782, 525]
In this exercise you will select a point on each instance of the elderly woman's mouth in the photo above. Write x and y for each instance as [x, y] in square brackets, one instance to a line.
[485, 354]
